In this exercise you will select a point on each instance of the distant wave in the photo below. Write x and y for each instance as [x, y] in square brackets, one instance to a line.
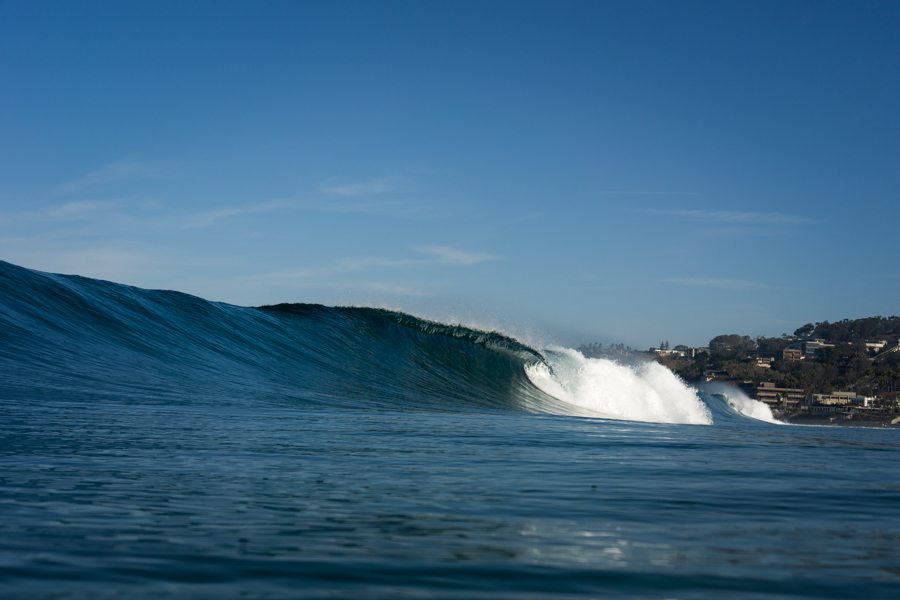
[91, 340]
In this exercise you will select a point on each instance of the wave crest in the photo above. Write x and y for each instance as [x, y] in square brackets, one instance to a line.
[77, 337]
[644, 392]
[741, 403]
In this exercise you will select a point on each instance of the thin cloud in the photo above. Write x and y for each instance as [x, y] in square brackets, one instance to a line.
[394, 209]
[643, 193]
[372, 287]
[115, 262]
[308, 277]
[389, 209]
[72, 210]
[210, 217]
[710, 282]
[440, 254]
[386, 288]
[734, 217]
[358, 264]
[120, 170]
[345, 265]
[377, 186]
[446, 254]
[290, 274]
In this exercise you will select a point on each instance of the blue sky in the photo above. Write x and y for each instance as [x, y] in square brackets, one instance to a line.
[569, 172]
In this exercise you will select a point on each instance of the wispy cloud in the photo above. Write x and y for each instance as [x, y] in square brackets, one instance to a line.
[376, 186]
[382, 197]
[120, 170]
[381, 287]
[372, 287]
[446, 254]
[210, 217]
[734, 217]
[645, 193]
[360, 263]
[69, 211]
[709, 282]
[396, 209]
[345, 265]
[323, 277]
[438, 255]
[112, 260]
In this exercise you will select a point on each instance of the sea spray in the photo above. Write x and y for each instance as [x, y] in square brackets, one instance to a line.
[643, 392]
[740, 402]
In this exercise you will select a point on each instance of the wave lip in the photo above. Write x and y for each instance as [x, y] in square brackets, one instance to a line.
[647, 392]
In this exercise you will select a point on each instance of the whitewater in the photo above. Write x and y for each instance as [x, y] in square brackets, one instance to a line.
[157, 444]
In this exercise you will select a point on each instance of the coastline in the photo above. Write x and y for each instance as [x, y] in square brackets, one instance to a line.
[831, 420]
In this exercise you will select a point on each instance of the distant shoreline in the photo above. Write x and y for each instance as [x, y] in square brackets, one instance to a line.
[857, 420]
[845, 373]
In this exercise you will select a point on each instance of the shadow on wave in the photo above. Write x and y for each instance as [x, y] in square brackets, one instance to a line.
[77, 337]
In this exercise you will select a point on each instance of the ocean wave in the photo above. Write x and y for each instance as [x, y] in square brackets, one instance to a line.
[643, 392]
[740, 402]
[82, 338]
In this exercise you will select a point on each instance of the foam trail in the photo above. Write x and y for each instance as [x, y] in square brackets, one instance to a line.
[742, 403]
[647, 392]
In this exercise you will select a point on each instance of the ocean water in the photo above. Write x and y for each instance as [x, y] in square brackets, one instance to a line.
[156, 445]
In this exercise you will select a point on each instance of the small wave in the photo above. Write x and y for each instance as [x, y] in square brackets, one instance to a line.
[646, 392]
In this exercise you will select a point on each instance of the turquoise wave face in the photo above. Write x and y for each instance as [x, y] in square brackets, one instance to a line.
[104, 339]
[94, 338]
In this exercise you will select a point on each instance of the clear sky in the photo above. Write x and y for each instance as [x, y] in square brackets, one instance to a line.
[570, 172]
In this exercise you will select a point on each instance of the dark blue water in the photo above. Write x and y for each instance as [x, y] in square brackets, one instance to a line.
[156, 445]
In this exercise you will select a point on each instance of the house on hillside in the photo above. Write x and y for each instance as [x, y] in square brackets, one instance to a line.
[771, 395]
[788, 354]
[809, 347]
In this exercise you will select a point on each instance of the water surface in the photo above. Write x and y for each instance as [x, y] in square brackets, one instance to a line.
[157, 445]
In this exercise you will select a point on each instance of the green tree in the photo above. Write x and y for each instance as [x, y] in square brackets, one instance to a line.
[804, 331]
[771, 344]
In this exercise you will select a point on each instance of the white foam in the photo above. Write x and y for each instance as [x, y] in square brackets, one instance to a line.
[646, 392]
[742, 403]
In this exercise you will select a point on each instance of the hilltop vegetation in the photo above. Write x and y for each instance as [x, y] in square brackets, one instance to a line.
[850, 331]
[842, 362]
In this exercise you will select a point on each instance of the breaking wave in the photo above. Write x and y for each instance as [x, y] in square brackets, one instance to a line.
[740, 402]
[644, 392]
[78, 338]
